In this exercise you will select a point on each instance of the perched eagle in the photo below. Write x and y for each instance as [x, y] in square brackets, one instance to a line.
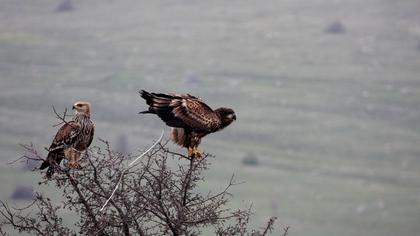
[190, 118]
[71, 140]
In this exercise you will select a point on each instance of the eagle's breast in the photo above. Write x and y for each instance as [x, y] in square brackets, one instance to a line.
[85, 134]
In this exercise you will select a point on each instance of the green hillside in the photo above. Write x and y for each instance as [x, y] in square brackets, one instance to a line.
[326, 93]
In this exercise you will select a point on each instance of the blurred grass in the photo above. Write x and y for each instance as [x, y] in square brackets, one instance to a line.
[332, 118]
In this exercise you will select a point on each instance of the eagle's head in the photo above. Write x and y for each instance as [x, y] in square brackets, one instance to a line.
[227, 116]
[82, 107]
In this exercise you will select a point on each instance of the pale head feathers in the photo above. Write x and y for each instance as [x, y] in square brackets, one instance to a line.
[82, 107]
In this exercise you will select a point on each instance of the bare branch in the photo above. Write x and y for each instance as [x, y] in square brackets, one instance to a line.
[158, 194]
[62, 118]
[286, 230]
[269, 226]
[129, 165]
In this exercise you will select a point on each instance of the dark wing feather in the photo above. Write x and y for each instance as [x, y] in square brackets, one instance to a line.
[182, 111]
[197, 115]
[160, 104]
[92, 133]
[65, 136]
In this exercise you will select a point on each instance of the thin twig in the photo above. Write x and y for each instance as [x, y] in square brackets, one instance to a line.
[62, 118]
[285, 230]
[128, 167]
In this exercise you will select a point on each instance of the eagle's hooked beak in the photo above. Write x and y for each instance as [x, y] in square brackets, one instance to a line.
[234, 117]
[73, 108]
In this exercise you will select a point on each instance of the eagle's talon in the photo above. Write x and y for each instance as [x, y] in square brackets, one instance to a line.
[191, 152]
[197, 154]
[194, 153]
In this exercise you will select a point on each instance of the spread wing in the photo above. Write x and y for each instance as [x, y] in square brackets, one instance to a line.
[65, 136]
[182, 111]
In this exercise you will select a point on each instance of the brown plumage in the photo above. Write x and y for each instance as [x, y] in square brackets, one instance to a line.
[190, 118]
[73, 138]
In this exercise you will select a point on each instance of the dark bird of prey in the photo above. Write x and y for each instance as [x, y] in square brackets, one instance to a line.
[73, 138]
[190, 118]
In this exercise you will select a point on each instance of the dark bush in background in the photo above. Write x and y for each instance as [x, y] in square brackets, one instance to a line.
[335, 27]
[250, 159]
[65, 6]
[23, 193]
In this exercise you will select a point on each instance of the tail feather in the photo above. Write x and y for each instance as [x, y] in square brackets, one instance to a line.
[156, 97]
[147, 96]
[53, 159]
[145, 112]
[44, 165]
[157, 102]
[163, 105]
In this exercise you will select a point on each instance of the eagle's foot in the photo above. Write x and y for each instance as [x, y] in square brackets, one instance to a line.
[190, 152]
[193, 152]
[198, 154]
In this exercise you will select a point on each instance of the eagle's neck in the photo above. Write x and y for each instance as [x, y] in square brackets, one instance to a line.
[81, 117]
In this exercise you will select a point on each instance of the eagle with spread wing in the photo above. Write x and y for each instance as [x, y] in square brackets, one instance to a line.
[73, 138]
[190, 118]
